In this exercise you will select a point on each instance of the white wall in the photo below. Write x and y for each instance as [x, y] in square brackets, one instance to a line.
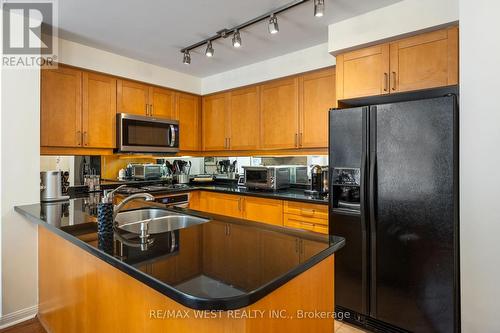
[292, 63]
[387, 22]
[79, 55]
[20, 178]
[479, 165]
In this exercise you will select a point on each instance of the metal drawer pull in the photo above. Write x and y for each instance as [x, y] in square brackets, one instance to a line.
[386, 81]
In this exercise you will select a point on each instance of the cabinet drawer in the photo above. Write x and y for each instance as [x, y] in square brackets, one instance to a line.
[307, 210]
[311, 224]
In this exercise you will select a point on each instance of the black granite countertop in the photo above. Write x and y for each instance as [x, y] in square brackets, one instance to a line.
[223, 264]
[293, 194]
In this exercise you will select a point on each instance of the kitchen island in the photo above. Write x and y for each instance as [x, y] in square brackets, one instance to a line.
[225, 275]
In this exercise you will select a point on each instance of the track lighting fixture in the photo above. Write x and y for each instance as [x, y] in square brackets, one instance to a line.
[319, 8]
[210, 50]
[236, 39]
[186, 60]
[273, 24]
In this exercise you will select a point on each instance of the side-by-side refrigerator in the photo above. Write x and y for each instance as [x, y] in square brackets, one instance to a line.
[394, 197]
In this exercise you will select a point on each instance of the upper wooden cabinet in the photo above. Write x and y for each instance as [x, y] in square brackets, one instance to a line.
[316, 97]
[78, 109]
[244, 119]
[363, 72]
[145, 100]
[214, 122]
[279, 114]
[132, 97]
[61, 107]
[162, 103]
[99, 111]
[424, 61]
[188, 114]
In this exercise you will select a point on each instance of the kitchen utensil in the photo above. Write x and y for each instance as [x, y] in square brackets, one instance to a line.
[182, 178]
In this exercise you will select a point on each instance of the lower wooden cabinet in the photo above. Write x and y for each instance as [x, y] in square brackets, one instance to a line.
[268, 211]
[313, 217]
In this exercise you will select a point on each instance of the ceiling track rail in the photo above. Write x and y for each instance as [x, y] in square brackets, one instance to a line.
[224, 33]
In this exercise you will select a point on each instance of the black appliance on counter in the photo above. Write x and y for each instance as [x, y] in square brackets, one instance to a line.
[394, 186]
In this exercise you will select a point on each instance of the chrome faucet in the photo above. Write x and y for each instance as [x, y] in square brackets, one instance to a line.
[144, 196]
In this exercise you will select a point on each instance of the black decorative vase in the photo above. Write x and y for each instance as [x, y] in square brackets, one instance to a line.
[104, 218]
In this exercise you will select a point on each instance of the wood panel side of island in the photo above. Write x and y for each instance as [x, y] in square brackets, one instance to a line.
[79, 292]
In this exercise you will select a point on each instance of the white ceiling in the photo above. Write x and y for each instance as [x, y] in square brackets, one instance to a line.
[154, 31]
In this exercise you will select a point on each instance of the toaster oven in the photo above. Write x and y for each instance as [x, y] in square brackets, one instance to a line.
[266, 177]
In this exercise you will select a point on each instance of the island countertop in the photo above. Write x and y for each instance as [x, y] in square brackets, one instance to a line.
[223, 264]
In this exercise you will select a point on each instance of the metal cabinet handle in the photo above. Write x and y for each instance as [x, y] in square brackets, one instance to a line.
[393, 81]
[386, 81]
[228, 143]
[85, 139]
[300, 139]
[296, 140]
[151, 110]
[307, 212]
[228, 229]
[147, 110]
[78, 138]
[297, 245]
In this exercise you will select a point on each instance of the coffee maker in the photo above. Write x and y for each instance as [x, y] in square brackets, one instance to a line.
[319, 181]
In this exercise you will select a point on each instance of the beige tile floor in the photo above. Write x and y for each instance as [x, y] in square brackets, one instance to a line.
[343, 327]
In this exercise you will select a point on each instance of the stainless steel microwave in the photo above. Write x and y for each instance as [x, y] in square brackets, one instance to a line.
[140, 134]
[267, 177]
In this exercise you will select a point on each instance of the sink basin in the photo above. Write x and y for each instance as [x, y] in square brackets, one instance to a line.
[159, 220]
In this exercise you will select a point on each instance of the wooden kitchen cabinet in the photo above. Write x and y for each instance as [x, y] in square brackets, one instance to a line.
[188, 114]
[425, 61]
[132, 98]
[214, 122]
[99, 111]
[263, 210]
[244, 119]
[61, 107]
[363, 72]
[162, 103]
[279, 114]
[221, 204]
[316, 97]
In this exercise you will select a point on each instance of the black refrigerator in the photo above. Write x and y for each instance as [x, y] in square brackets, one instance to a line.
[393, 196]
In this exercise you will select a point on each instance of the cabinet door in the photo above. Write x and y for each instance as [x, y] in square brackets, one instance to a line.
[214, 122]
[363, 72]
[244, 256]
[279, 114]
[162, 103]
[316, 97]
[215, 250]
[280, 253]
[188, 114]
[132, 97]
[263, 210]
[61, 107]
[425, 61]
[244, 119]
[223, 204]
[99, 111]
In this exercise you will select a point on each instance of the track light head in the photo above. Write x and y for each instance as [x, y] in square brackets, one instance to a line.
[273, 24]
[210, 50]
[236, 39]
[186, 59]
[319, 8]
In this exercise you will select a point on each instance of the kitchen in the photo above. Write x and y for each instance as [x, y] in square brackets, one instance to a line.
[295, 168]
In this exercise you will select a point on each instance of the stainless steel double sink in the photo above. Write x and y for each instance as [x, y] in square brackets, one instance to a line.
[158, 220]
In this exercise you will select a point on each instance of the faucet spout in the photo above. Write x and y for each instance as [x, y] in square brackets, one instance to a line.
[119, 207]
